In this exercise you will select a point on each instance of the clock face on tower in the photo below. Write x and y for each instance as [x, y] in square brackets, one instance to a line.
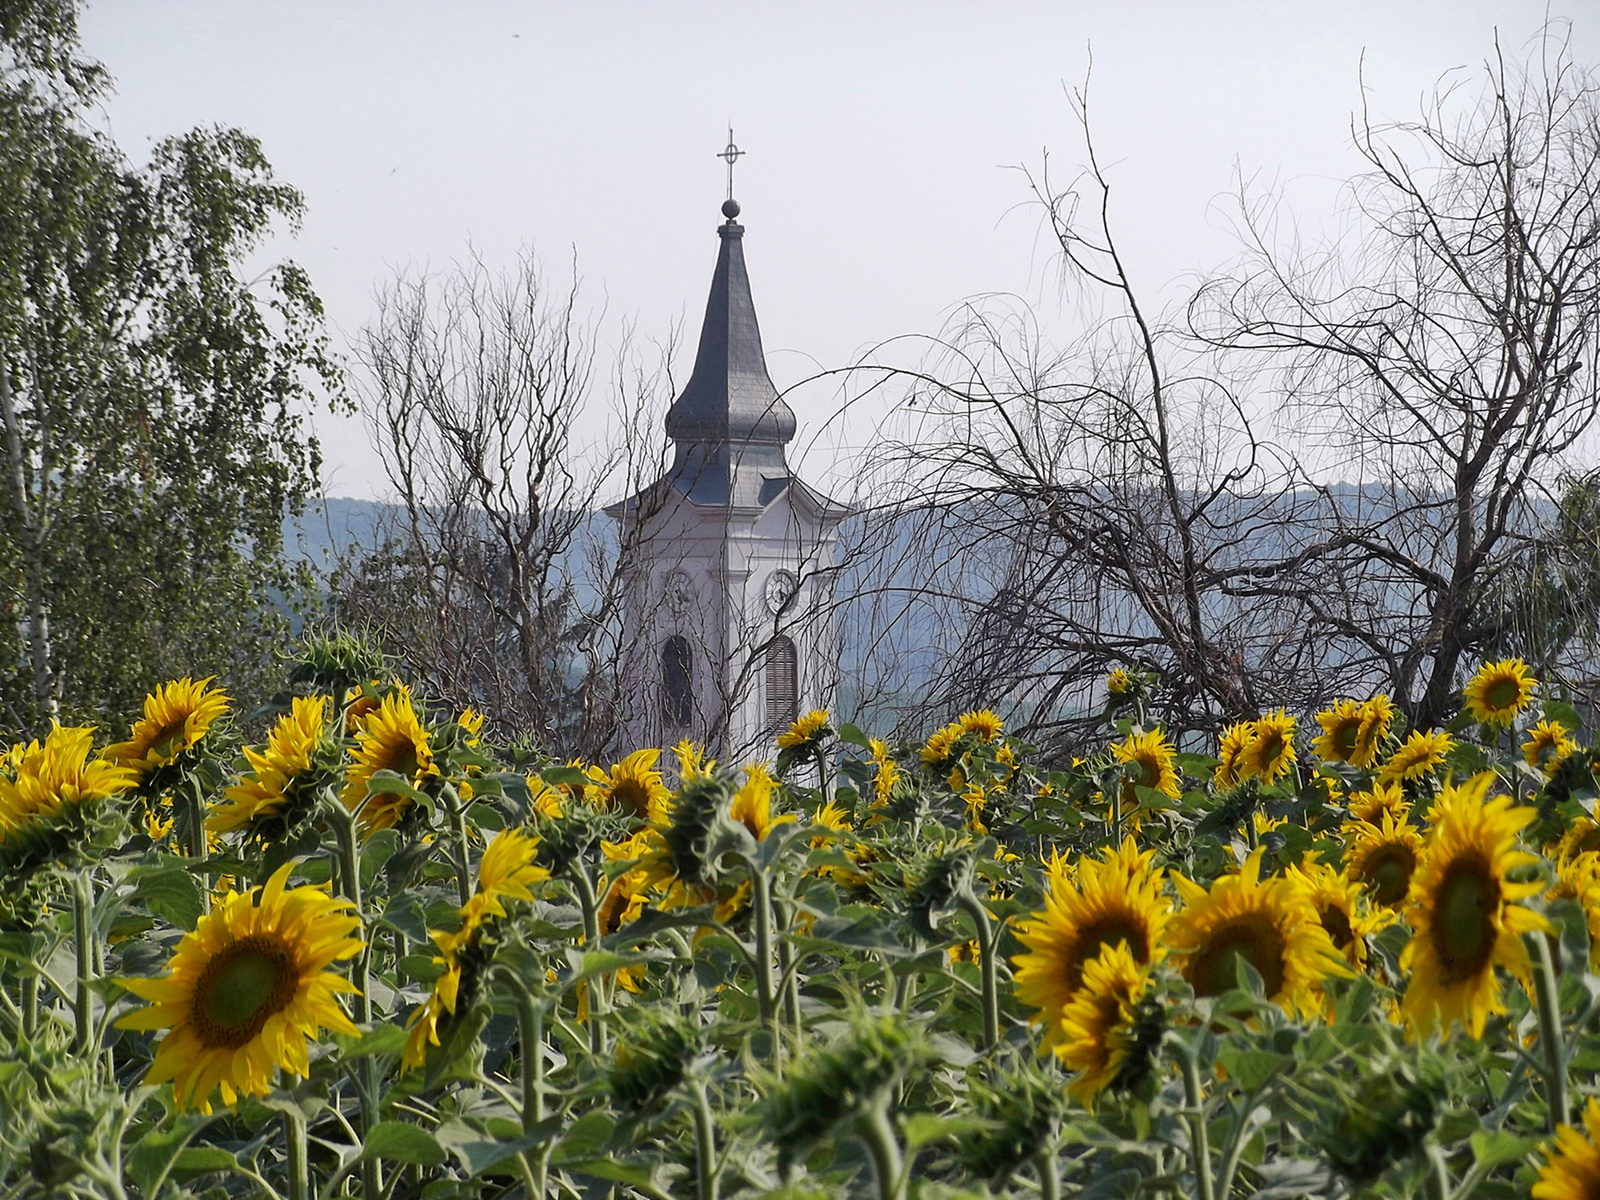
[781, 587]
[678, 591]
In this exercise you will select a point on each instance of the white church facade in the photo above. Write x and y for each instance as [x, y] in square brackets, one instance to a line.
[727, 619]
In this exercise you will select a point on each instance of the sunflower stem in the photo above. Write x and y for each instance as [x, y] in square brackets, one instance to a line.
[30, 1005]
[458, 839]
[584, 886]
[1199, 1136]
[294, 1138]
[363, 1070]
[530, 1019]
[194, 801]
[766, 998]
[973, 907]
[1049, 1175]
[83, 936]
[705, 1164]
[1549, 1004]
[877, 1132]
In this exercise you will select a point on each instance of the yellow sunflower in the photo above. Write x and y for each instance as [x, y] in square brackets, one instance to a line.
[983, 722]
[1463, 907]
[1421, 754]
[1377, 716]
[1382, 856]
[423, 1027]
[692, 760]
[42, 779]
[1578, 879]
[1499, 691]
[362, 701]
[886, 772]
[1270, 753]
[1581, 837]
[936, 750]
[1571, 1169]
[1271, 924]
[806, 731]
[177, 716]
[752, 803]
[1104, 902]
[1119, 683]
[390, 739]
[632, 787]
[1341, 731]
[832, 818]
[1384, 797]
[504, 872]
[245, 991]
[263, 790]
[1235, 739]
[1097, 1023]
[1548, 743]
[1341, 908]
[1153, 755]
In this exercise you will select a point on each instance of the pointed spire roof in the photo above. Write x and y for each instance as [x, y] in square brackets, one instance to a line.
[730, 396]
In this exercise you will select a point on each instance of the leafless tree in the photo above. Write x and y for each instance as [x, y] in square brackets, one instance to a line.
[1091, 507]
[1442, 353]
[496, 580]
[1166, 491]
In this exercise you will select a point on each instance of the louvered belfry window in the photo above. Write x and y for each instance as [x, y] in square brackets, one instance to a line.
[783, 693]
[677, 682]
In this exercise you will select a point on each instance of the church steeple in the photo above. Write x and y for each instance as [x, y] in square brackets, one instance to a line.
[730, 397]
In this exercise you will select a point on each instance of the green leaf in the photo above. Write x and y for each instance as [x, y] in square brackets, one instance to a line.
[170, 892]
[384, 1039]
[1251, 1069]
[205, 1158]
[563, 776]
[922, 1128]
[634, 1174]
[849, 733]
[405, 1143]
[1490, 1149]
[154, 1153]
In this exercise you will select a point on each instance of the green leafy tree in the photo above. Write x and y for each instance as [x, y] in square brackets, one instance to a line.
[153, 401]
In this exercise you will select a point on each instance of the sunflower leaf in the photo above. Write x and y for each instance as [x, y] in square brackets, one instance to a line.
[403, 1142]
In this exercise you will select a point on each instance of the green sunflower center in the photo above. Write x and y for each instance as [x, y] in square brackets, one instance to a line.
[1151, 771]
[1464, 909]
[1346, 734]
[1270, 750]
[1105, 931]
[1253, 938]
[240, 988]
[1503, 693]
[1388, 873]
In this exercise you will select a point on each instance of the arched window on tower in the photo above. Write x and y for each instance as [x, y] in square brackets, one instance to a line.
[783, 692]
[677, 682]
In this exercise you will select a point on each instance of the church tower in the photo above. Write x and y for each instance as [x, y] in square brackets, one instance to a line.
[728, 605]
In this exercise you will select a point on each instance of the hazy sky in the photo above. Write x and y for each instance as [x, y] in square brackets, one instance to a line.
[876, 191]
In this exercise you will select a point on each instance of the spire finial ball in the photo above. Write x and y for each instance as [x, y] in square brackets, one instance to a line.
[730, 208]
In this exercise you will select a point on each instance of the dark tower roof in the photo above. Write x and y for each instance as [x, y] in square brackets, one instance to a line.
[729, 426]
[730, 397]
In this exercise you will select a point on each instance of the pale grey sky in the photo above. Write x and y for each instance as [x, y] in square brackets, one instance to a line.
[875, 191]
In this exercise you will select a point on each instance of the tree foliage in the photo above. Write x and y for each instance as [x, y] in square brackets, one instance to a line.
[154, 401]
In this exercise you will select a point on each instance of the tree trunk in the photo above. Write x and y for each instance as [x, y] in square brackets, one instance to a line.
[28, 526]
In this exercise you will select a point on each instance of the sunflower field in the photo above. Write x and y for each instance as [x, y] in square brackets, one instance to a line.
[375, 954]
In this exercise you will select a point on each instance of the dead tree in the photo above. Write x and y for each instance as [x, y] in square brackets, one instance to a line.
[1442, 353]
[495, 580]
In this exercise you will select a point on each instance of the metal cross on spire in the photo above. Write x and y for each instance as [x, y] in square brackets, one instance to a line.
[730, 156]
